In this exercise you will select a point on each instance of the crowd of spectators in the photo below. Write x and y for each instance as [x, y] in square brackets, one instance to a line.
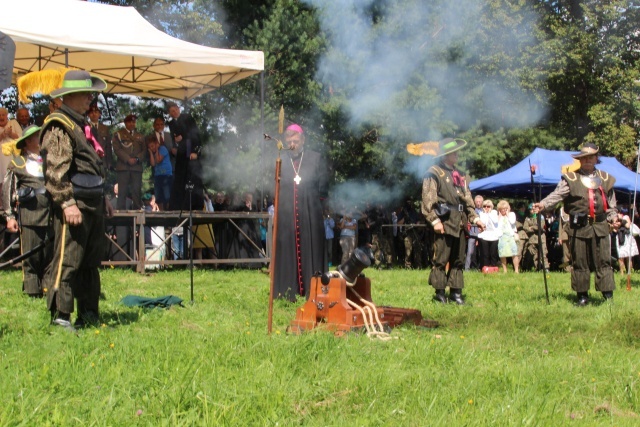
[172, 153]
[395, 236]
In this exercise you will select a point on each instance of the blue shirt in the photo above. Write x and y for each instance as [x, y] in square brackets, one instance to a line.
[329, 225]
[164, 167]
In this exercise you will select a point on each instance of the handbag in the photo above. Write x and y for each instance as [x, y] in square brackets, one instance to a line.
[87, 186]
[442, 211]
[25, 194]
[578, 220]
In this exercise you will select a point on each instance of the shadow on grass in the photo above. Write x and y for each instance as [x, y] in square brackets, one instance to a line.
[113, 318]
[622, 283]
[595, 298]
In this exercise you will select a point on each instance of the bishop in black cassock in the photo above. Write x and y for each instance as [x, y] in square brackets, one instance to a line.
[300, 239]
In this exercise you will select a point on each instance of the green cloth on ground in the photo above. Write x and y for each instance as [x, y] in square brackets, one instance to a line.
[146, 302]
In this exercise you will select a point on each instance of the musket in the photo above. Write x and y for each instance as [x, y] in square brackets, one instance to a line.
[403, 225]
[40, 246]
[541, 264]
[8, 248]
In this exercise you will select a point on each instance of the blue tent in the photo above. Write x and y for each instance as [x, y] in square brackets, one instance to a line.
[516, 181]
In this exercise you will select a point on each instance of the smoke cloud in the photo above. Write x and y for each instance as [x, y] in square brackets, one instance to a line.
[422, 69]
[420, 59]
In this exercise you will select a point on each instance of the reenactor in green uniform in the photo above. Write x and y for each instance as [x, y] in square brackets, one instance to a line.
[130, 149]
[591, 203]
[74, 177]
[522, 235]
[448, 206]
[24, 186]
[382, 241]
[530, 256]
[563, 239]
[101, 133]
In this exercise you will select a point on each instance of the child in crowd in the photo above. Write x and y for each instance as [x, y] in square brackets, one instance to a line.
[163, 173]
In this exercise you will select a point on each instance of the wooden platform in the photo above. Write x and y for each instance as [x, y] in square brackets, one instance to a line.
[134, 220]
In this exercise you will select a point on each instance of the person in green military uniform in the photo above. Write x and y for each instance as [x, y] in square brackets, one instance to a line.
[24, 186]
[74, 177]
[530, 255]
[448, 206]
[130, 149]
[591, 204]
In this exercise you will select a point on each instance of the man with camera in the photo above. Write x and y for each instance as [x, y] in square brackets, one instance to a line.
[591, 203]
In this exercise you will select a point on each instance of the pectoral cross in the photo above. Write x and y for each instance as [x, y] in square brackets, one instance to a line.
[297, 179]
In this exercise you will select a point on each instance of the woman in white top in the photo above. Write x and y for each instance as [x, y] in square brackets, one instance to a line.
[507, 243]
[489, 237]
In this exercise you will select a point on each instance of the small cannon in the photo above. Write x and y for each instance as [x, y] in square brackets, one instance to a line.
[341, 301]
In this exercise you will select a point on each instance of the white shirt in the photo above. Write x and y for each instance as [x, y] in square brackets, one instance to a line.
[490, 220]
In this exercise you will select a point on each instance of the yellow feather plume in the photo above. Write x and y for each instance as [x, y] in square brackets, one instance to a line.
[571, 167]
[40, 82]
[429, 148]
[10, 149]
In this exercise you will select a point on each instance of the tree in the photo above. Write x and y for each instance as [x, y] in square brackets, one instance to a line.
[593, 71]
[367, 77]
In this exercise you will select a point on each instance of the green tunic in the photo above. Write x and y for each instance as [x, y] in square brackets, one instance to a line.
[438, 188]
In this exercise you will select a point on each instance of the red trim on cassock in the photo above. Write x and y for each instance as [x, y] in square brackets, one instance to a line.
[296, 216]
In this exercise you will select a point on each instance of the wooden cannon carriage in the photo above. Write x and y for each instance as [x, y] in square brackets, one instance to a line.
[340, 301]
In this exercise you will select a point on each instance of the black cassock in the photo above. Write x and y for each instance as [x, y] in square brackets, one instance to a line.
[186, 170]
[300, 239]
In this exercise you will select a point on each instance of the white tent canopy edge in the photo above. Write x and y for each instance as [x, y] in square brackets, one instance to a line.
[134, 57]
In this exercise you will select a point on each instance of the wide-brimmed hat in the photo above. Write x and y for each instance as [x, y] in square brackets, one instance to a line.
[588, 149]
[28, 131]
[79, 81]
[449, 145]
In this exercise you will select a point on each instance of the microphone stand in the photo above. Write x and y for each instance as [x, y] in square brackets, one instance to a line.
[189, 188]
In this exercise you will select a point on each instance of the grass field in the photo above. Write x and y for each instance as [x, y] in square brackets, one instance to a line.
[506, 358]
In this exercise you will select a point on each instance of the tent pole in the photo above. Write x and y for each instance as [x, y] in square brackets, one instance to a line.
[633, 216]
[261, 208]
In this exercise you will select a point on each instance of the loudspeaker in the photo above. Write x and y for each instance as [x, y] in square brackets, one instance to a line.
[7, 55]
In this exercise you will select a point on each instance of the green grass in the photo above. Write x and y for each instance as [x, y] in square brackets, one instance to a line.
[507, 358]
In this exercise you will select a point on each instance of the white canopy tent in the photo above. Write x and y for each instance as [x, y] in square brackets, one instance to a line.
[133, 57]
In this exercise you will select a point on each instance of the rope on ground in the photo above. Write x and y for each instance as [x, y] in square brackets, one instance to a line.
[373, 330]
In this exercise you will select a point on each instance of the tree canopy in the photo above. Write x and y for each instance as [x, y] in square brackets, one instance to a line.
[366, 77]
